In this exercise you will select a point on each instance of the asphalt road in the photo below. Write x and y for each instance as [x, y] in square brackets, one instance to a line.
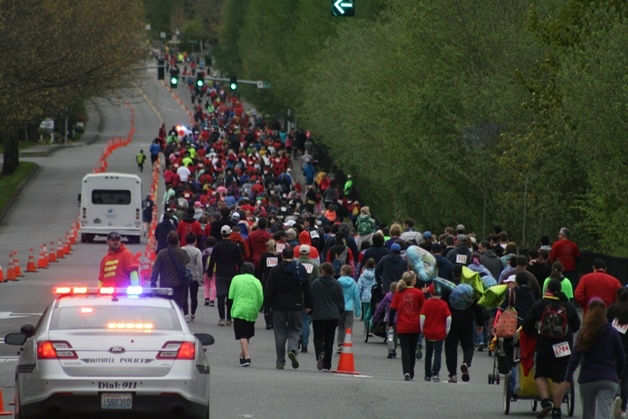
[45, 211]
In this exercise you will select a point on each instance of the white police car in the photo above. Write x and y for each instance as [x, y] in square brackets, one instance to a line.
[109, 352]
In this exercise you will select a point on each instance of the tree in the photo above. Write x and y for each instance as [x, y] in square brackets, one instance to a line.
[60, 52]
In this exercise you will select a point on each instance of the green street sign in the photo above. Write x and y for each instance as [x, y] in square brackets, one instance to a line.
[263, 85]
[342, 8]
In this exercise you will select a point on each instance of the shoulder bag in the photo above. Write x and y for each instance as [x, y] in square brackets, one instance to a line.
[185, 275]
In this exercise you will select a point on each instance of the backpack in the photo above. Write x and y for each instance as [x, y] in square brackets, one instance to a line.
[553, 322]
[339, 260]
[299, 273]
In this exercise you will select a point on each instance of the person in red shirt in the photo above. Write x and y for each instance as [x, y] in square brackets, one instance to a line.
[566, 252]
[435, 325]
[188, 225]
[407, 304]
[257, 243]
[597, 284]
[118, 268]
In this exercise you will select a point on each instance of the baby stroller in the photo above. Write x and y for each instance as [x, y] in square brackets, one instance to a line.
[377, 328]
[519, 383]
[496, 347]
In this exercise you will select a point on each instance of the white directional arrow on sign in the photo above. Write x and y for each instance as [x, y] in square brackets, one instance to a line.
[341, 4]
[11, 315]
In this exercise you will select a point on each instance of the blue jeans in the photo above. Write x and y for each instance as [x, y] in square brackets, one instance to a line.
[433, 347]
[306, 320]
[483, 337]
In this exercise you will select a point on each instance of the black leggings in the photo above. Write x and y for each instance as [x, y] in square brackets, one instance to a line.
[193, 291]
[222, 302]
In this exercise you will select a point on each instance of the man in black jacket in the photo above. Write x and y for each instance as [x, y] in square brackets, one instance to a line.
[227, 258]
[287, 293]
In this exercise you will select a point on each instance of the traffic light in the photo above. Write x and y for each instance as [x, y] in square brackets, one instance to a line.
[200, 79]
[174, 81]
[161, 69]
[174, 78]
[234, 83]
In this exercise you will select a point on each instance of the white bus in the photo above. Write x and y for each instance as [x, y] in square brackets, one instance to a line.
[110, 202]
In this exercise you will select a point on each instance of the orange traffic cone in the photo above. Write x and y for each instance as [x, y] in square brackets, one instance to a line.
[60, 254]
[45, 252]
[52, 255]
[345, 363]
[16, 265]
[41, 262]
[30, 266]
[2, 411]
[11, 272]
[66, 245]
[1, 274]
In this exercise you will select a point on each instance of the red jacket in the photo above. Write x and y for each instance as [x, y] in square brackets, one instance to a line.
[596, 284]
[257, 244]
[116, 267]
[408, 304]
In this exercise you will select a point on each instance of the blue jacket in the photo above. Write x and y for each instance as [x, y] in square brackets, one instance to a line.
[350, 293]
[366, 281]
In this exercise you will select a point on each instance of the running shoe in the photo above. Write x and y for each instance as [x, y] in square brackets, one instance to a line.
[464, 368]
[293, 359]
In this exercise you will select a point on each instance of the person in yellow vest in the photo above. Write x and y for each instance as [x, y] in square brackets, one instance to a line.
[140, 159]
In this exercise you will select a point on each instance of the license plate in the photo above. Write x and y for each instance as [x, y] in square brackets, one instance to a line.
[119, 401]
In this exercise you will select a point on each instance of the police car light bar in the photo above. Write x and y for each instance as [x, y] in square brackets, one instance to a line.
[130, 291]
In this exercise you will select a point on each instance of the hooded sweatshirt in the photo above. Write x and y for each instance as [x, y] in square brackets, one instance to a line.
[350, 293]
[304, 238]
[257, 244]
[327, 299]
[116, 267]
[247, 294]
[366, 281]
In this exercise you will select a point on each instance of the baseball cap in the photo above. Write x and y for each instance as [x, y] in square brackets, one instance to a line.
[511, 278]
[198, 204]
[395, 248]
[113, 235]
[427, 235]
[225, 230]
[304, 249]
[436, 247]
[235, 216]
[289, 223]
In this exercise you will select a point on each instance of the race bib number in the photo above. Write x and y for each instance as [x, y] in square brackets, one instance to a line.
[270, 262]
[461, 259]
[621, 328]
[308, 267]
[280, 247]
[314, 234]
[561, 349]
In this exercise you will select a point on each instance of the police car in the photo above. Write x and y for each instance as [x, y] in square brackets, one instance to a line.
[111, 352]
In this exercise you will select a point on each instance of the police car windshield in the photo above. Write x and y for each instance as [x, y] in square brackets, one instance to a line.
[122, 318]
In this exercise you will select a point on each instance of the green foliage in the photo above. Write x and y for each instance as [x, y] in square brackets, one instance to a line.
[445, 110]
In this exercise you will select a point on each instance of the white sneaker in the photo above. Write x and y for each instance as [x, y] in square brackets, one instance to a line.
[617, 407]
[187, 318]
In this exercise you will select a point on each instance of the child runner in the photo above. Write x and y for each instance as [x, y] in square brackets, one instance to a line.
[365, 282]
[352, 303]
[383, 308]
[435, 325]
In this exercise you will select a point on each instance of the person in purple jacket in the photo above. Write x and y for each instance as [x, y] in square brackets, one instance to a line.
[383, 308]
[600, 353]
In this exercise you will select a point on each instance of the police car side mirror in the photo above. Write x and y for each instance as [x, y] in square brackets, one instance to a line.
[205, 338]
[15, 339]
[79, 200]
